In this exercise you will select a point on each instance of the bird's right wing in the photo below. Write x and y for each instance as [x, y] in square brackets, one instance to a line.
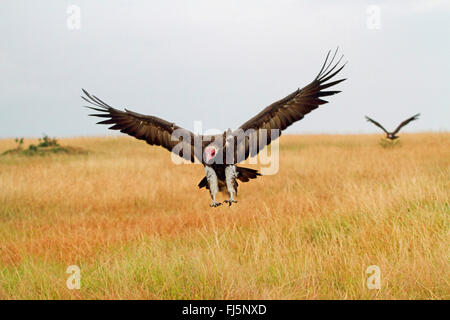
[377, 124]
[404, 123]
[153, 130]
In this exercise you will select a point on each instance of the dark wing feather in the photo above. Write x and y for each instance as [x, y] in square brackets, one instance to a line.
[404, 123]
[153, 130]
[283, 113]
[377, 124]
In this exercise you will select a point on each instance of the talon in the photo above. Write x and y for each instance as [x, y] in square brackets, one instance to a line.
[215, 204]
[230, 202]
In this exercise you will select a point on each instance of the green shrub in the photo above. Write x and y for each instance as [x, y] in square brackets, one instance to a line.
[45, 146]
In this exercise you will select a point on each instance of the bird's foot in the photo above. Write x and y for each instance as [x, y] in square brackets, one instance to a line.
[230, 202]
[215, 204]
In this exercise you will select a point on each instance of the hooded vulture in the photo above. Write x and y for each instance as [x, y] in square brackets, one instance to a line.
[221, 153]
[393, 135]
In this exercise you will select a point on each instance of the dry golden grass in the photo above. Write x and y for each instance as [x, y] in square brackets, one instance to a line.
[139, 228]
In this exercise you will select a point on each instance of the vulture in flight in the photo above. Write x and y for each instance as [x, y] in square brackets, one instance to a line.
[236, 146]
[392, 135]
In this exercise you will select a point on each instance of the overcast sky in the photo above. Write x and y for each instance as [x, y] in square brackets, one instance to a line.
[221, 62]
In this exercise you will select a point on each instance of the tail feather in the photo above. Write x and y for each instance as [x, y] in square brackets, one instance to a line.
[244, 175]
[203, 183]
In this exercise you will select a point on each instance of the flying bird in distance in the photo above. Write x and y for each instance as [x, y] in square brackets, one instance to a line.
[235, 146]
[393, 135]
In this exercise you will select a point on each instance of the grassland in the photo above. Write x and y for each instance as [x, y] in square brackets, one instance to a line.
[139, 228]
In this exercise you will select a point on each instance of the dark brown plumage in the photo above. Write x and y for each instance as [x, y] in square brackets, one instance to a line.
[283, 113]
[153, 130]
[211, 151]
[393, 135]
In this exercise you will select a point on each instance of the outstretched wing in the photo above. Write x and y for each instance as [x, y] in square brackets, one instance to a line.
[377, 124]
[283, 113]
[404, 123]
[153, 130]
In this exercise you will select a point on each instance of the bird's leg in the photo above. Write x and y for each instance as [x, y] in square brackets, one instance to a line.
[230, 179]
[213, 184]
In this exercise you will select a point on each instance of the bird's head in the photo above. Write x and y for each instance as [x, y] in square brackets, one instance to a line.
[210, 153]
[391, 136]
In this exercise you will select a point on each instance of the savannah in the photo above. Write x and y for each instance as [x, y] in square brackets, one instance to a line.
[138, 227]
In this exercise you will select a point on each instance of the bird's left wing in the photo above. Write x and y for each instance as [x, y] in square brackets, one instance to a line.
[155, 131]
[283, 113]
[404, 123]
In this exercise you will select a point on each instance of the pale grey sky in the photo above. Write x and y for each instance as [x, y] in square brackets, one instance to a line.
[221, 62]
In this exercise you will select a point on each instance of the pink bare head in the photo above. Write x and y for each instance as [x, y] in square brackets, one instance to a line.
[210, 152]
